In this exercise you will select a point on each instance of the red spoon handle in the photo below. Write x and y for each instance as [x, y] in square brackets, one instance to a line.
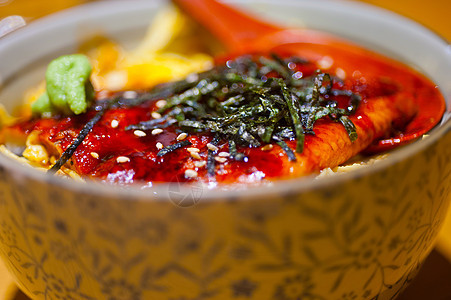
[235, 29]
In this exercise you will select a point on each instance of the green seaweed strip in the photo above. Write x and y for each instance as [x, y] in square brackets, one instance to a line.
[211, 163]
[173, 147]
[350, 128]
[232, 149]
[288, 151]
[152, 124]
[67, 154]
[238, 102]
[276, 64]
[234, 154]
[289, 98]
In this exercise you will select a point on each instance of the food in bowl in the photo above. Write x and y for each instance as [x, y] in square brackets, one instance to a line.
[361, 234]
[248, 119]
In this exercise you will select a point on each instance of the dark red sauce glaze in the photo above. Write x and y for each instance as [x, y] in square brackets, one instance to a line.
[97, 157]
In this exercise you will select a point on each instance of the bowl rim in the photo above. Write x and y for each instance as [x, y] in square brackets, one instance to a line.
[160, 190]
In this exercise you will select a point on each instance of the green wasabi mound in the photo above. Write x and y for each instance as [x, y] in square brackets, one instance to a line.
[68, 88]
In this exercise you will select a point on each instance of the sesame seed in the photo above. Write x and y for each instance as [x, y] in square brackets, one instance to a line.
[182, 136]
[190, 173]
[95, 155]
[267, 147]
[130, 94]
[157, 131]
[200, 164]
[114, 123]
[192, 77]
[101, 95]
[139, 133]
[195, 155]
[326, 62]
[212, 147]
[340, 73]
[155, 115]
[161, 103]
[224, 154]
[298, 75]
[220, 159]
[291, 65]
[192, 149]
[159, 146]
[115, 80]
[122, 159]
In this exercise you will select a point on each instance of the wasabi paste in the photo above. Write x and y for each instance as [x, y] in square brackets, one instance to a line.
[68, 88]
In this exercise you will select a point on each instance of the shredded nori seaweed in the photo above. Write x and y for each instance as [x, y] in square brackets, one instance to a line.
[67, 154]
[288, 151]
[173, 147]
[247, 102]
[251, 101]
[211, 164]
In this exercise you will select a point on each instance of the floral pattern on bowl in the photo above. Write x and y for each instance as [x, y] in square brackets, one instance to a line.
[361, 235]
[357, 241]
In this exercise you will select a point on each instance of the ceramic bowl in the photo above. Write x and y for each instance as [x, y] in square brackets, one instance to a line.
[358, 235]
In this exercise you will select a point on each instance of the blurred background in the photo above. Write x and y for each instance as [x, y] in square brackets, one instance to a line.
[434, 279]
[433, 14]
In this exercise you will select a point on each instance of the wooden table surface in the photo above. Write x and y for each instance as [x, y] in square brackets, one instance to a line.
[434, 280]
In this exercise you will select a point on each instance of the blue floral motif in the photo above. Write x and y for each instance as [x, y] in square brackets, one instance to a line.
[296, 287]
[56, 288]
[120, 289]
[333, 243]
[243, 288]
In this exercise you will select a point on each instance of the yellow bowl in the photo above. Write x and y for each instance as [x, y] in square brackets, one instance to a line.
[358, 235]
